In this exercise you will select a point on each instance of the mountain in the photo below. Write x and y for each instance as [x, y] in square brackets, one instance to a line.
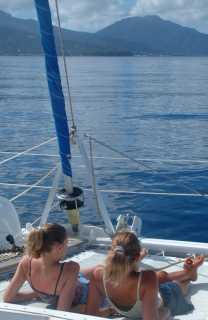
[21, 37]
[160, 36]
[149, 35]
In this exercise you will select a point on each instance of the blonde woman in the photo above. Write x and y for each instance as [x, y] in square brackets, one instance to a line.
[50, 280]
[134, 294]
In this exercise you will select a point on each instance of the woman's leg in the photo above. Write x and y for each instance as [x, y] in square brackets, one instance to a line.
[189, 273]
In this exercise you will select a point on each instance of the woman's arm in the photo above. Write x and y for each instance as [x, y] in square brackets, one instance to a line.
[94, 299]
[150, 296]
[12, 293]
[96, 294]
[68, 290]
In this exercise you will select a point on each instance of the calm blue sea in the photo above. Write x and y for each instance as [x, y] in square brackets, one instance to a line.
[150, 108]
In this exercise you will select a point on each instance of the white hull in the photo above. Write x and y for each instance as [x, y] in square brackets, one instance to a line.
[89, 253]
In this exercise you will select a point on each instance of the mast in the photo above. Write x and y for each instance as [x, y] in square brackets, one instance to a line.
[55, 89]
[71, 198]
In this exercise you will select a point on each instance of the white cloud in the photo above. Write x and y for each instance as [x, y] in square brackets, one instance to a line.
[192, 13]
[23, 8]
[92, 15]
[85, 15]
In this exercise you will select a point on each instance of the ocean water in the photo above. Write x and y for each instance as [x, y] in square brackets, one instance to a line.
[153, 109]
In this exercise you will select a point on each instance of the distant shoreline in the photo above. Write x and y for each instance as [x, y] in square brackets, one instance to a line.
[110, 56]
[138, 36]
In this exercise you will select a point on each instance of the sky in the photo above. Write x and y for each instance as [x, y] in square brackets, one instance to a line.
[93, 15]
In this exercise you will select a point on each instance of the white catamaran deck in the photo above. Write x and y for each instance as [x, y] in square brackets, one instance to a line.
[198, 291]
[64, 195]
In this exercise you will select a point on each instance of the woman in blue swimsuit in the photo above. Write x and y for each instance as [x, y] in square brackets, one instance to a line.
[53, 282]
[139, 294]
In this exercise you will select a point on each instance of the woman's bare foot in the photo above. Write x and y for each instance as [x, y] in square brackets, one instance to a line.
[191, 265]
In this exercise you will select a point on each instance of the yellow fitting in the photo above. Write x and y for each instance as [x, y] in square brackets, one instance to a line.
[73, 216]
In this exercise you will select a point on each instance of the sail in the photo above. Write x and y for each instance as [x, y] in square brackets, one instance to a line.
[54, 83]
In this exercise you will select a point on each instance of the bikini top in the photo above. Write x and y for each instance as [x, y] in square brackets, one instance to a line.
[133, 312]
[49, 298]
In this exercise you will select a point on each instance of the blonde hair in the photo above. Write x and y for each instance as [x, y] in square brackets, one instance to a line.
[41, 240]
[121, 260]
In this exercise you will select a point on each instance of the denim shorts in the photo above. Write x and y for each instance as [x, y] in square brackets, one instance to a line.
[82, 289]
[174, 299]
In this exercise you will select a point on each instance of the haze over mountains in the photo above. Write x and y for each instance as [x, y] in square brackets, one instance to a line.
[149, 35]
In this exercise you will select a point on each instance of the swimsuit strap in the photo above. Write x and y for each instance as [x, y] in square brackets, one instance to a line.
[139, 285]
[138, 291]
[30, 269]
[59, 277]
[30, 278]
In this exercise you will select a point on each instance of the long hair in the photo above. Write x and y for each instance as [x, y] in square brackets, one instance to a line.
[41, 240]
[121, 258]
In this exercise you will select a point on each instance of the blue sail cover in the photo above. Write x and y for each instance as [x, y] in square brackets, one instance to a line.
[54, 83]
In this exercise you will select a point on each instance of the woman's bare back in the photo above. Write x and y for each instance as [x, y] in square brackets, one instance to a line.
[125, 293]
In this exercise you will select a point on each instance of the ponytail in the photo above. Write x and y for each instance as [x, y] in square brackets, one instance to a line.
[34, 245]
[121, 258]
[41, 240]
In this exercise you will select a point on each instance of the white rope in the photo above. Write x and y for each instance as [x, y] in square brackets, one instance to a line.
[114, 158]
[149, 159]
[169, 194]
[32, 154]
[23, 185]
[26, 151]
[153, 193]
[51, 196]
[103, 209]
[35, 184]
[35, 221]
[165, 176]
[65, 63]
[94, 186]
[177, 263]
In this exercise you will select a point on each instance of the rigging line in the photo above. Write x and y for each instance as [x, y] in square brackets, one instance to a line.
[18, 185]
[168, 194]
[114, 158]
[151, 193]
[26, 151]
[178, 263]
[35, 221]
[65, 63]
[144, 165]
[94, 187]
[35, 184]
[151, 159]
[35, 154]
